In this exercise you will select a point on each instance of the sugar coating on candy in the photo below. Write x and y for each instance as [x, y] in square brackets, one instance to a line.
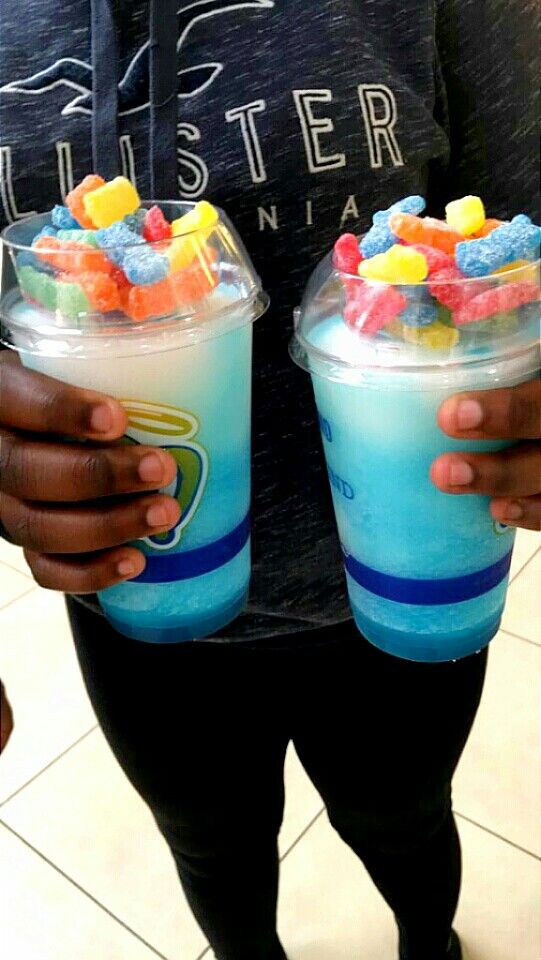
[63, 219]
[136, 220]
[488, 227]
[379, 239]
[78, 236]
[143, 265]
[433, 233]
[438, 336]
[111, 202]
[39, 286]
[115, 238]
[25, 258]
[71, 257]
[467, 215]
[452, 289]
[75, 199]
[496, 300]
[346, 255]
[402, 265]
[100, 289]
[512, 241]
[373, 308]
[156, 227]
[419, 314]
[436, 259]
[71, 300]
[414, 205]
[141, 302]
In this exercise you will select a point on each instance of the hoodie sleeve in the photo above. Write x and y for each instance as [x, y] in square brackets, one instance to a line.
[488, 70]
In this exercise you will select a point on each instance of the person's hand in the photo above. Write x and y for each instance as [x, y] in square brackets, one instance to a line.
[71, 505]
[6, 718]
[513, 477]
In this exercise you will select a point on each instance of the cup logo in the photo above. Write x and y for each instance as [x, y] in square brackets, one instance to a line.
[176, 430]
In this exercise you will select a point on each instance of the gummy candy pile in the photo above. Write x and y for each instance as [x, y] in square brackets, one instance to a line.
[425, 280]
[104, 252]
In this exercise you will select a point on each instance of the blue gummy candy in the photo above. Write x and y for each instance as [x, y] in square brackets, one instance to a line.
[136, 221]
[114, 238]
[45, 232]
[414, 205]
[512, 241]
[419, 313]
[145, 266]
[28, 259]
[379, 239]
[62, 218]
[522, 218]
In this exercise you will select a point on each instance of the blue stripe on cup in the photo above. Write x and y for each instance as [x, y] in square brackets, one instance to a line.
[193, 563]
[428, 592]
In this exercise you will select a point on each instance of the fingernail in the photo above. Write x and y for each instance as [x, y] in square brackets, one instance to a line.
[460, 474]
[514, 511]
[126, 568]
[150, 469]
[469, 414]
[101, 419]
[158, 516]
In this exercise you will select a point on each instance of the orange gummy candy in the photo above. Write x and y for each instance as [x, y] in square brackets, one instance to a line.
[140, 302]
[433, 233]
[101, 290]
[488, 227]
[72, 257]
[75, 199]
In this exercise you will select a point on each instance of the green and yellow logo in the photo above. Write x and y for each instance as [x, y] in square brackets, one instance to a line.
[176, 430]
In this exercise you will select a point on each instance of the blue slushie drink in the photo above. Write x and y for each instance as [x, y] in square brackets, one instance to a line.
[426, 571]
[177, 354]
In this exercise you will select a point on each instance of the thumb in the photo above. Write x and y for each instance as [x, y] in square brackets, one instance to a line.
[6, 718]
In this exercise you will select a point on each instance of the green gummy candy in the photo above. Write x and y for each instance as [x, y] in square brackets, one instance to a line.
[39, 286]
[499, 323]
[71, 300]
[445, 316]
[79, 236]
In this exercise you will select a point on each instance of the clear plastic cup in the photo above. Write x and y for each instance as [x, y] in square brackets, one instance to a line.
[426, 571]
[183, 374]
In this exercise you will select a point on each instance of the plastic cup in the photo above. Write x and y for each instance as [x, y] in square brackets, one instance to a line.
[183, 373]
[426, 571]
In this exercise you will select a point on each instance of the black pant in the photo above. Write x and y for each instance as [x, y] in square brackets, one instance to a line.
[201, 730]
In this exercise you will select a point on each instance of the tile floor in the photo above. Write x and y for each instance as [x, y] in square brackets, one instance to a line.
[76, 884]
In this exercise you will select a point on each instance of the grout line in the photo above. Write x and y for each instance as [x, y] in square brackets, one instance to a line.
[23, 573]
[84, 892]
[204, 954]
[48, 765]
[301, 835]
[523, 567]
[498, 836]
[516, 636]
[31, 589]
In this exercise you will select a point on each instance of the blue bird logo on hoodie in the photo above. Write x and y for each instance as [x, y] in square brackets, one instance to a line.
[133, 90]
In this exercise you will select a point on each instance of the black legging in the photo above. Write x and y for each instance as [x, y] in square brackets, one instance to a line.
[201, 730]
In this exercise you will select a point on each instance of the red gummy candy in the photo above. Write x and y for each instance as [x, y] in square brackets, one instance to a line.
[347, 255]
[373, 308]
[425, 230]
[446, 288]
[120, 278]
[100, 289]
[156, 226]
[75, 199]
[497, 300]
[436, 259]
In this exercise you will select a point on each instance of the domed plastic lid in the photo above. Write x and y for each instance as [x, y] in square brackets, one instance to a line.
[81, 292]
[355, 330]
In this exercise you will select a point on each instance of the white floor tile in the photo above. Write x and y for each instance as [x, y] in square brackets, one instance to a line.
[498, 783]
[526, 543]
[523, 610]
[329, 909]
[14, 557]
[12, 585]
[84, 815]
[44, 917]
[42, 679]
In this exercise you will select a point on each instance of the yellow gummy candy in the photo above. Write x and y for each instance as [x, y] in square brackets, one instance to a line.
[529, 272]
[437, 336]
[203, 217]
[399, 265]
[184, 250]
[112, 202]
[467, 216]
